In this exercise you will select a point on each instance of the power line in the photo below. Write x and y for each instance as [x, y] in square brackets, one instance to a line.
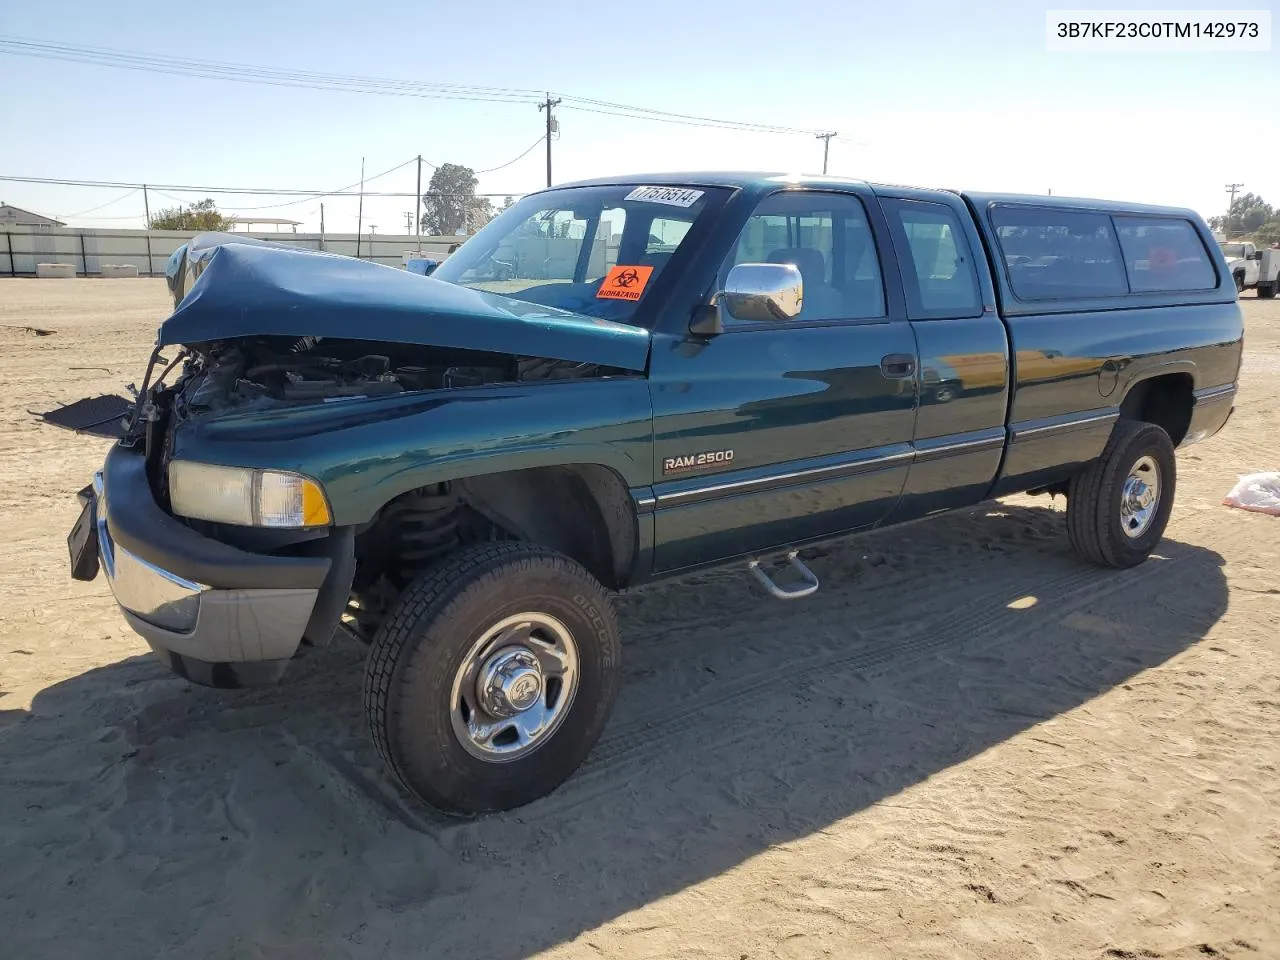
[328, 193]
[666, 116]
[243, 73]
[245, 191]
[122, 196]
[503, 166]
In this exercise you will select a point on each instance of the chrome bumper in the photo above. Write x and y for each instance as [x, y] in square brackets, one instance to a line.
[194, 620]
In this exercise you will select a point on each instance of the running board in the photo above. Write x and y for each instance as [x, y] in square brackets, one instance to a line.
[807, 585]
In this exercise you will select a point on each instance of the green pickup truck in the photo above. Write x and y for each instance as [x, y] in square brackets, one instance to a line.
[620, 380]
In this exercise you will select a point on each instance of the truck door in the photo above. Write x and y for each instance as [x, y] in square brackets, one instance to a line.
[772, 433]
[964, 353]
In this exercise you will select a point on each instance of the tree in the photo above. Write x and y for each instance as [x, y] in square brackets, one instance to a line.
[450, 203]
[1247, 214]
[1268, 233]
[201, 215]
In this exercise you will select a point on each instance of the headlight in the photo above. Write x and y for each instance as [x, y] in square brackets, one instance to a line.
[250, 498]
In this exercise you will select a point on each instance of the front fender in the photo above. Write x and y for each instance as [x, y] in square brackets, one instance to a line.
[367, 452]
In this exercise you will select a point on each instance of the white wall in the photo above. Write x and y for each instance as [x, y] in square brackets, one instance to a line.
[21, 248]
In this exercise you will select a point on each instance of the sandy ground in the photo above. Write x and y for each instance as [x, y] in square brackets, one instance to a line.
[967, 745]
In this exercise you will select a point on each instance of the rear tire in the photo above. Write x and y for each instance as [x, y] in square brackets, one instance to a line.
[1118, 508]
[460, 652]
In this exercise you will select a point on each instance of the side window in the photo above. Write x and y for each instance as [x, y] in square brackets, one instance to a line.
[827, 237]
[1054, 254]
[1163, 254]
[937, 265]
[666, 234]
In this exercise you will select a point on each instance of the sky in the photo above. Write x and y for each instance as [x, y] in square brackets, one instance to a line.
[921, 92]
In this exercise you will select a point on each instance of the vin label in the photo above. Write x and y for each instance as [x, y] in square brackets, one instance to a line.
[695, 461]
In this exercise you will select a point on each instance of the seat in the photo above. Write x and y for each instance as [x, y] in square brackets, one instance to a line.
[821, 300]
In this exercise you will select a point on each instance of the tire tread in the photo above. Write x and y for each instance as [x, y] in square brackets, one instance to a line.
[430, 597]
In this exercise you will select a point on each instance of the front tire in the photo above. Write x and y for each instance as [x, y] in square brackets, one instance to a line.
[1118, 508]
[492, 677]
[1239, 278]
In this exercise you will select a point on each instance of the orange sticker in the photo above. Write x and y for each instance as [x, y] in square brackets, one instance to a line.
[624, 283]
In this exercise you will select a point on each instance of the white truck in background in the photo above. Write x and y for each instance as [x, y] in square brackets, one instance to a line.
[1252, 268]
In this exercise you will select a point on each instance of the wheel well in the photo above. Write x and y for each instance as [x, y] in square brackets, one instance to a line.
[1165, 400]
[584, 511]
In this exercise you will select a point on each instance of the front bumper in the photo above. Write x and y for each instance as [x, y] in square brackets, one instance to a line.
[216, 614]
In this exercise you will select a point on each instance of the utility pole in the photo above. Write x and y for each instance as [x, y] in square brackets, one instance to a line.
[408, 222]
[551, 126]
[826, 145]
[321, 226]
[417, 205]
[360, 211]
[146, 206]
[1232, 188]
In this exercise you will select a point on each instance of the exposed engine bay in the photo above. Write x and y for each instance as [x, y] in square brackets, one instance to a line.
[263, 372]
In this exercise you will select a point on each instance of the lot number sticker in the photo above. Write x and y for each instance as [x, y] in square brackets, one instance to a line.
[624, 283]
[671, 196]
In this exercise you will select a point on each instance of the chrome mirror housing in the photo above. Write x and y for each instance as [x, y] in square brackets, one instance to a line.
[763, 291]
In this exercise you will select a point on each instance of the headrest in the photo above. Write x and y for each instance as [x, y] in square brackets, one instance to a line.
[811, 264]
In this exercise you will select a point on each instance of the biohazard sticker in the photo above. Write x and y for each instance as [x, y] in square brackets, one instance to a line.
[624, 283]
[671, 196]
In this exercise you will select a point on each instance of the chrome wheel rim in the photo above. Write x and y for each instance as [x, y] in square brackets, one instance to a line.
[514, 687]
[1140, 498]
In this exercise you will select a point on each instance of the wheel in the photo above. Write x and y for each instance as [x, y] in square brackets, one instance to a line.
[1117, 509]
[492, 677]
[1239, 282]
[1266, 291]
[944, 394]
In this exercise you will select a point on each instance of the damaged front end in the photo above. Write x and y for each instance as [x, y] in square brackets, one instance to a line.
[227, 567]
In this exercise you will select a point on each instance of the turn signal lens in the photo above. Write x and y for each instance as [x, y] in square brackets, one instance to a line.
[250, 498]
[290, 500]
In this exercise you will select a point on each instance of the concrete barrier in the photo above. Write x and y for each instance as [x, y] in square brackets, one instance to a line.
[55, 271]
[119, 270]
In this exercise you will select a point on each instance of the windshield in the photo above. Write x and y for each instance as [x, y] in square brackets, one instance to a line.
[1232, 250]
[597, 251]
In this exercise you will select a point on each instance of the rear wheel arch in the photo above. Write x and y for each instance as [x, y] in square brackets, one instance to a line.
[1163, 398]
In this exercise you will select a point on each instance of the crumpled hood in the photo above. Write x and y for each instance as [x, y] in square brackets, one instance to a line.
[248, 289]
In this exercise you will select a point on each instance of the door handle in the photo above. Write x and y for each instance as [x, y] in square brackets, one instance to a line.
[898, 366]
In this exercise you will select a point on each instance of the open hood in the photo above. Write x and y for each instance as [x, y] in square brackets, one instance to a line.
[252, 289]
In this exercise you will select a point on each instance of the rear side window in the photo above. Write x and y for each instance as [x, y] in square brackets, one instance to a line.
[1162, 254]
[937, 265]
[1053, 254]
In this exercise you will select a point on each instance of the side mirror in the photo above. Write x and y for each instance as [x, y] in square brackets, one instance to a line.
[753, 291]
[423, 266]
[763, 291]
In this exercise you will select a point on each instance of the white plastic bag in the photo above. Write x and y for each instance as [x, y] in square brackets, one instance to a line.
[1259, 492]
